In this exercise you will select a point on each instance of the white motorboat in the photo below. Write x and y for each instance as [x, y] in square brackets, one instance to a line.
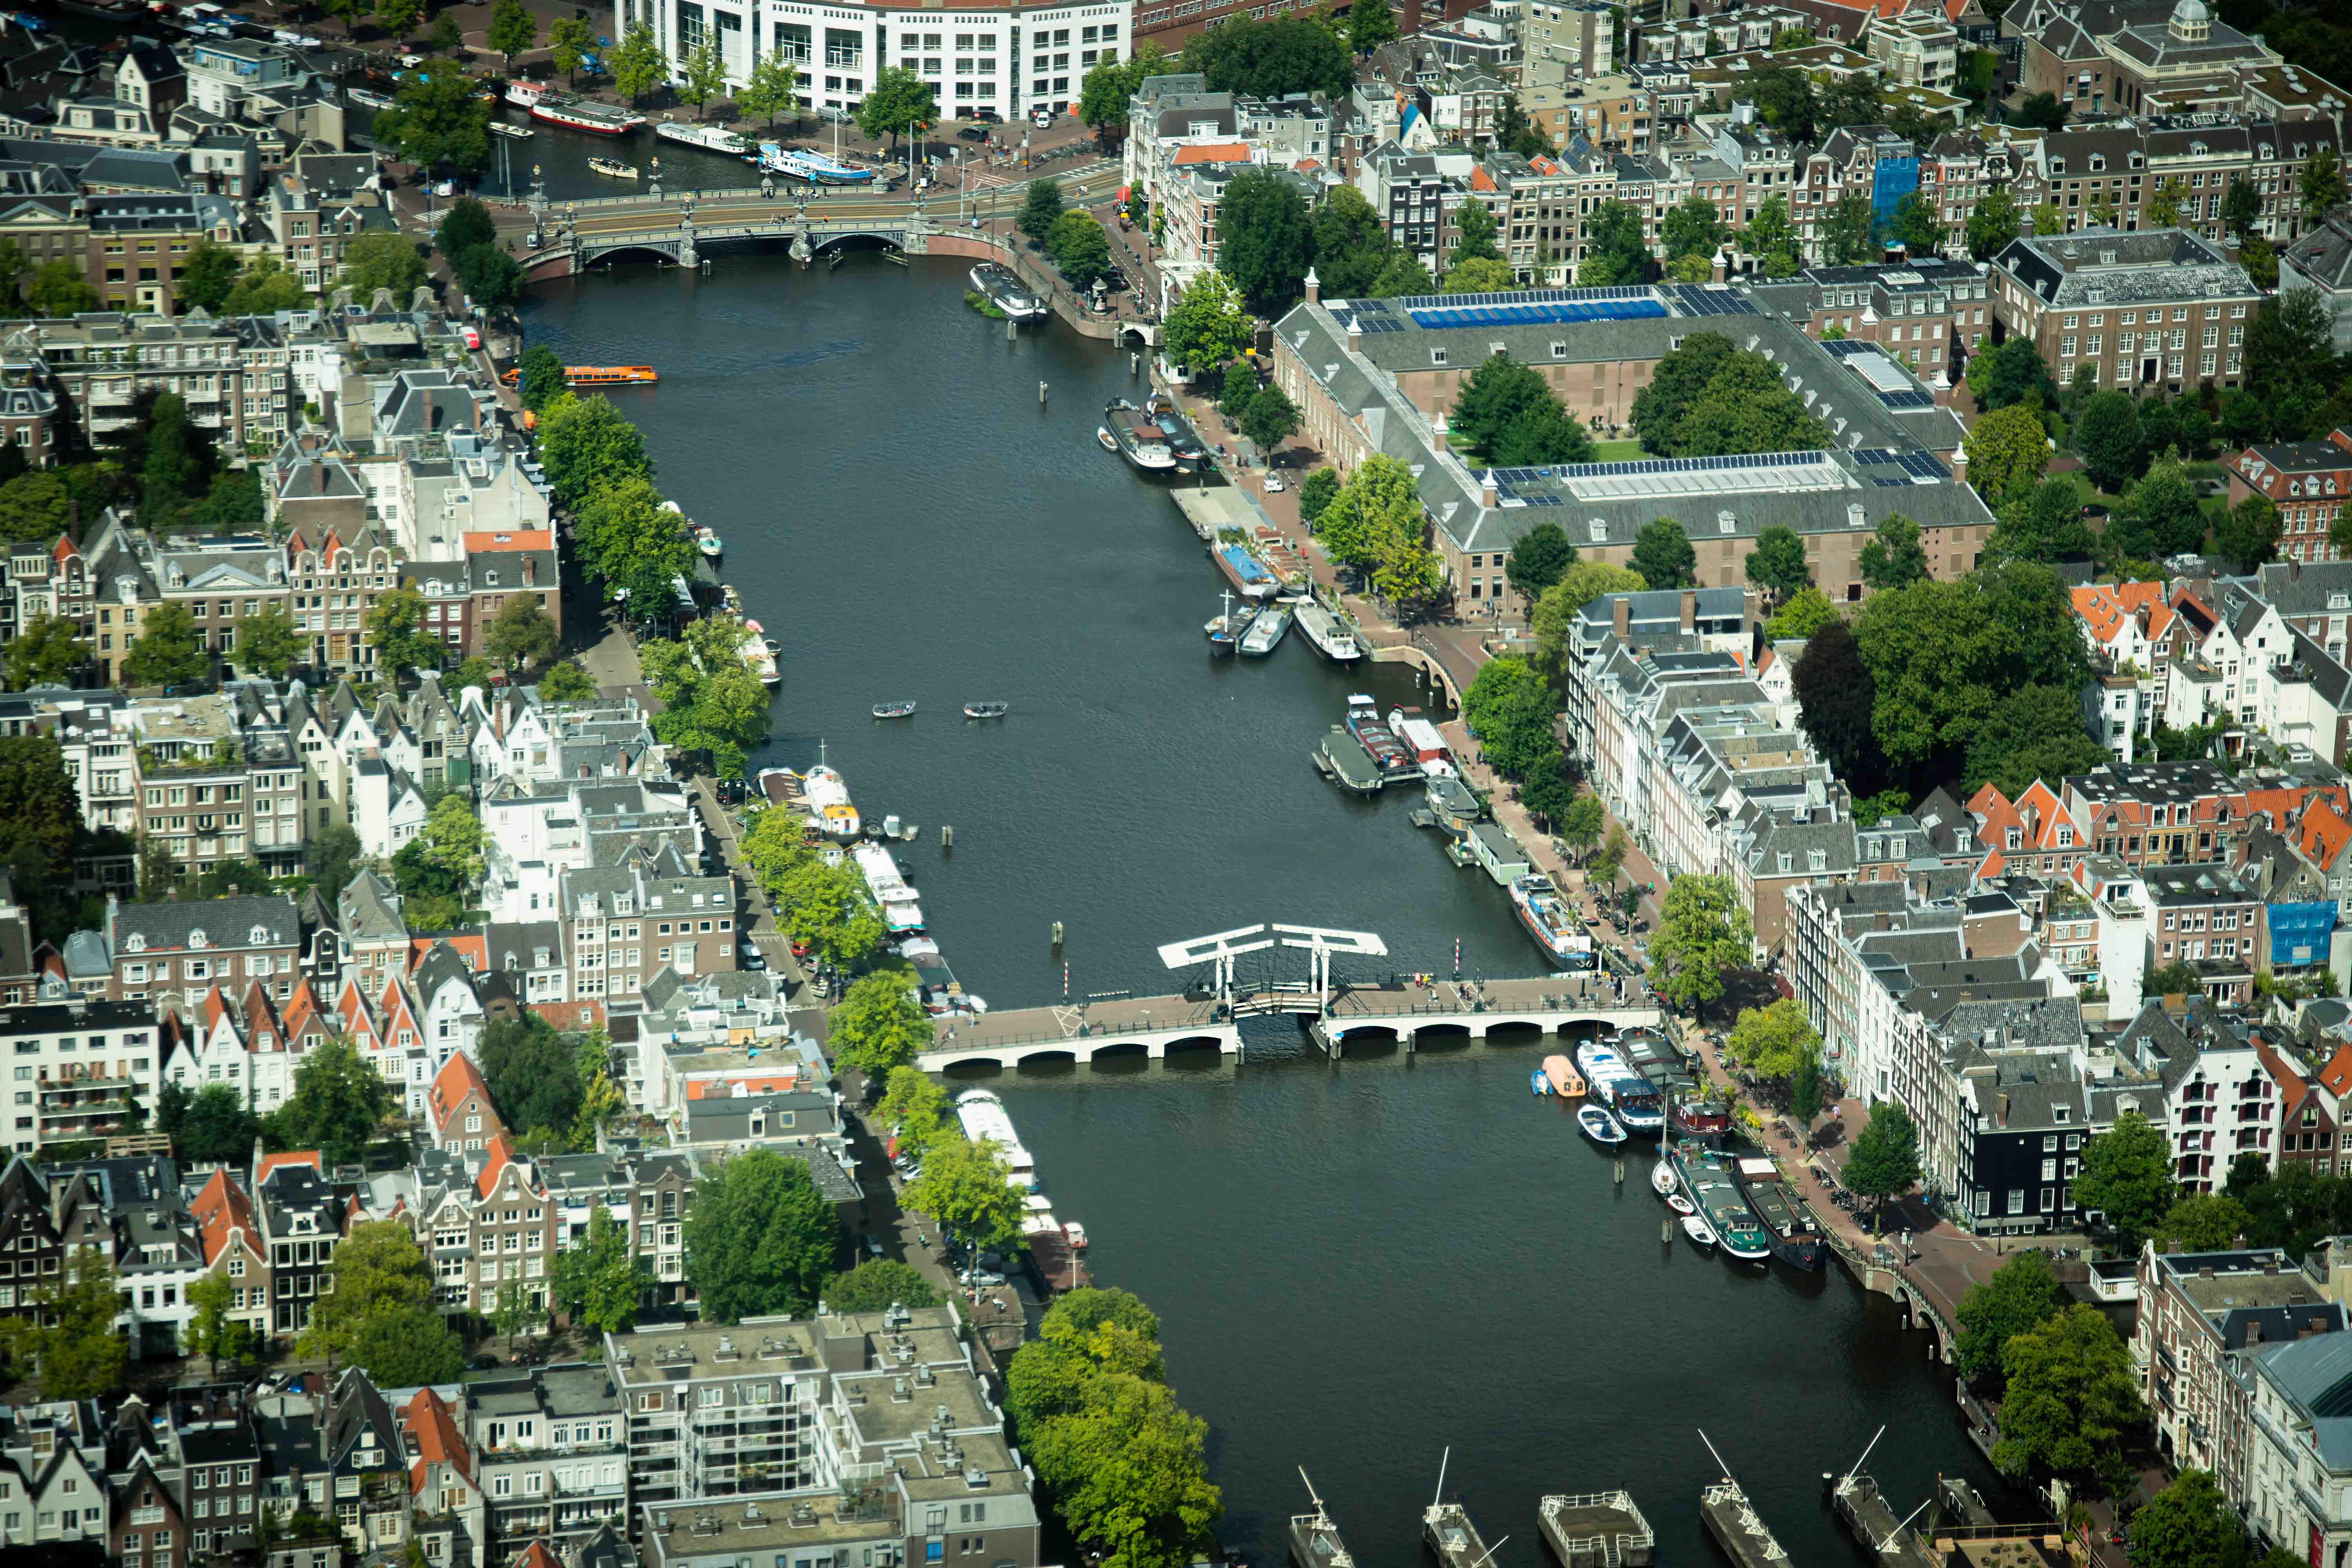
[1599, 1125]
[1702, 1235]
[1267, 631]
[709, 137]
[828, 799]
[1326, 634]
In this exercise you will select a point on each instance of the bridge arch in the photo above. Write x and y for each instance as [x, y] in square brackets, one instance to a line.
[658, 251]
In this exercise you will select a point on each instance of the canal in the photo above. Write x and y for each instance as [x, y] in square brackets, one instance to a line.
[1356, 1266]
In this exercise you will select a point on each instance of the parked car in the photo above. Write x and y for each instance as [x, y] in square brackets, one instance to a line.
[482, 1363]
[982, 1276]
[973, 133]
[1042, 119]
[1273, 482]
[873, 1247]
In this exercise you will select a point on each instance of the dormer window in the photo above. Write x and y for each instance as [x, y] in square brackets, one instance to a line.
[257, 937]
[196, 937]
[1437, 356]
[137, 943]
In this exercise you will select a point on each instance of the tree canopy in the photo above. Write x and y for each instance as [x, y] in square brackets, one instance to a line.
[1708, 399]
[1267, 240]
[2126, 1176]
[1271, 59]
[2021, 1296]
[2070, 1396]
[340, 1102]
[878, 1283]
[1704, 932]
[878, 1024]
[760, 1238]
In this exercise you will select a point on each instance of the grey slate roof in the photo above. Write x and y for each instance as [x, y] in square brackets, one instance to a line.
[226, 922]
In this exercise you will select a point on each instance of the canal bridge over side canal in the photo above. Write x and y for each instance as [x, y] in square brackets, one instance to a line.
[1206, 1016]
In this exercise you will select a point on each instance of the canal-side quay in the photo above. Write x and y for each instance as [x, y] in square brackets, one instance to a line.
[1284, 1213]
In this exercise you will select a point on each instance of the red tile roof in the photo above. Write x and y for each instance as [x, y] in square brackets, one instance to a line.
[495, 1158]
[1213, 153]
[292, 1157]
[459, 1078]
[2322, 835]
[2337, 1074]
[431, 1423]
[511, 538]
[221, 1209]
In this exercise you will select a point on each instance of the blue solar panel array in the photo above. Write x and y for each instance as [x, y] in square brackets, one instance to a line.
[1690, 465]
[1526, 296]
[1527, 485]
[1914, 465]
[1905, 399]
[1462, 313]
[1699, 301]
[1378, 324]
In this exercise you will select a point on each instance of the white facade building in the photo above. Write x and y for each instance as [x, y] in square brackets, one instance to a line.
[1005, 59]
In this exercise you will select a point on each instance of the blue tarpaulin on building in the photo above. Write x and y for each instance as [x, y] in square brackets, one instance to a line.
[1894, 179]
[2300, 932]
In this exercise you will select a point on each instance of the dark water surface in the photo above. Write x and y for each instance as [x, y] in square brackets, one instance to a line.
[1356, 1265]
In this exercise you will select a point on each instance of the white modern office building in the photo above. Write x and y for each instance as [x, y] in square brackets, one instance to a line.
[999, 61]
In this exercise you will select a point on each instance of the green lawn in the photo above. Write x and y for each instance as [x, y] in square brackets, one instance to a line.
[1617, 451]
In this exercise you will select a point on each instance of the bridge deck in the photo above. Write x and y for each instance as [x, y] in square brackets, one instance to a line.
[1156, 1023]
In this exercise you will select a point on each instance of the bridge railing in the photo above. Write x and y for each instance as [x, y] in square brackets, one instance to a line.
[1561, 1002]
[1096, 1035]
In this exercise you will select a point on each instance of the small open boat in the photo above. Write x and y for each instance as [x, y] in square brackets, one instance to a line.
[1680, 1203]
[1599, 1125]
[1076, 1234]
[772, 644]
[614, 167]
[1702, 1235]
[893, 709]
[1538, 1082]
[1102, 434]
[986, 709]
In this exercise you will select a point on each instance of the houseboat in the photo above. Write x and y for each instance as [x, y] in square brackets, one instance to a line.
[708, 138]
[1622, 1090]
[1797, 1240]
[1549, 919]
[982, 1116]
[1126, 431]
[999, 285]
[1252, 578]
[579, 114]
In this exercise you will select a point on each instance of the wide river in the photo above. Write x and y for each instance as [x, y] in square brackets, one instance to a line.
[1356, 1266]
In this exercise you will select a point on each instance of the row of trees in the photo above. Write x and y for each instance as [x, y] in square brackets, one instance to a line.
[960, 1183]
[822, 907]
[1091, 1406]
[1373, 524]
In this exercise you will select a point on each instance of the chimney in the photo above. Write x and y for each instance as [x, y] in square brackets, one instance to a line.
[1355, 332]
[318, 477]
[1487, 494]
[2254, 1332]
[2000, 1108]
[1315, 288]
[1690, 609]
[530, 569]
[2205, 1273]
[1620, 615]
